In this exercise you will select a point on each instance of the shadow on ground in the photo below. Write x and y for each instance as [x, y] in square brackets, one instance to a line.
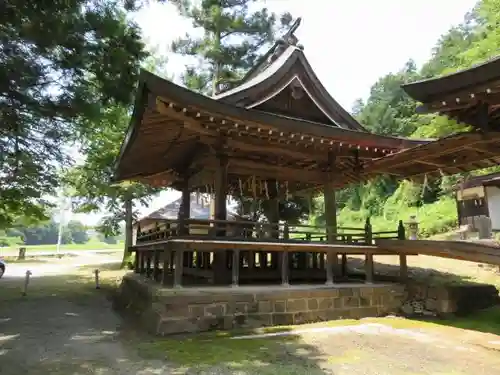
[65, 326]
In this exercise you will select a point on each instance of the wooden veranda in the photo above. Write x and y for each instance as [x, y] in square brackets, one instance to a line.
[187, 250]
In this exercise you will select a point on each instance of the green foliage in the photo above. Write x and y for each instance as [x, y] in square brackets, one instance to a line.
[91, 184]
[61, 62]
[389, 111]
[233, 39]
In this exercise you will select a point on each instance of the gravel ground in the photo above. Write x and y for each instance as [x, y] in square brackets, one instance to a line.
[63, 335]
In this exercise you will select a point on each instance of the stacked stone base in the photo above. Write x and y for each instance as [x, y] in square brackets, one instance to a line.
[163, 311]
[446, 300]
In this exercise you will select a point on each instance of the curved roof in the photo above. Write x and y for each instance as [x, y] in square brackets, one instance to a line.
[290, 63]
[432, 89]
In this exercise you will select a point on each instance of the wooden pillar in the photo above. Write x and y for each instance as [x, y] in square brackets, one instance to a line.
[179, 255]
[274, 219]
[331, 229]
[369, 270]
[403, 268]
[403, 262]
[184, 209]
[236, 268]
[220, 262]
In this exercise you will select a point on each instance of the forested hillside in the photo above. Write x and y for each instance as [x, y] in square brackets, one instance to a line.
[388, 110]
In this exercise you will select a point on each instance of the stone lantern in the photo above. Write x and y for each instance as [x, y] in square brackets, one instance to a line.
[412, 228]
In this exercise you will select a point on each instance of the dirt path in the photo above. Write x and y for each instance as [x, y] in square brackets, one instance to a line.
[60, 329]
[57, 337]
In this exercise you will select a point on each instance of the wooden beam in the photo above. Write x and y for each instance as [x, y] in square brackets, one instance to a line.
[265, 170]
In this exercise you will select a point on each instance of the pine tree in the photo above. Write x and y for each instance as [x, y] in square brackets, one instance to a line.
[233, 40]
[60, 62]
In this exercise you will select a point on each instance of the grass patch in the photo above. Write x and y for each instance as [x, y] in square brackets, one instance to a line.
[76, 284]
[94, 245]
[273, 355]
[487, 321]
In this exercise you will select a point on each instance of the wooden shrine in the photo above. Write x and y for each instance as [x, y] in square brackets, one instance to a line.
[275, 134]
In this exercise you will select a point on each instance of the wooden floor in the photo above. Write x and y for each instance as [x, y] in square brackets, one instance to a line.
[479, 252]
[210, 244]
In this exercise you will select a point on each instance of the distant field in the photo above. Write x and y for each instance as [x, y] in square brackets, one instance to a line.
[85, 246]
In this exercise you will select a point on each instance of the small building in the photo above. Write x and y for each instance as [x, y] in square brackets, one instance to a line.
[479, 196]
[200, 209]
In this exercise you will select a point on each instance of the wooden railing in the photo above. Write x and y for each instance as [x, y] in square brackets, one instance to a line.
[252, 231]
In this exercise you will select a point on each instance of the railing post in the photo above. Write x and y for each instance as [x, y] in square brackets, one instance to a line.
[368, 232]
[236, 267]
[401, 231]
[286, 231]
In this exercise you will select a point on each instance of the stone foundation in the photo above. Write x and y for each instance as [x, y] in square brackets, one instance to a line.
[443, 300]
[164, 311]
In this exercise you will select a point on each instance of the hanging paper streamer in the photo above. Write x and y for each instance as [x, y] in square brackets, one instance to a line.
[254, 187]
[266, 189]
[241, 186]
[425, 186]
[287, 192]
[277, 188]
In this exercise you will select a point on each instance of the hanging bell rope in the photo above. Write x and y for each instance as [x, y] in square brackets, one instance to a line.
[240, 184]
[287, 193]
[266, 189]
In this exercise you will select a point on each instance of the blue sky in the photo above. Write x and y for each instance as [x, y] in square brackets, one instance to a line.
[350, 44]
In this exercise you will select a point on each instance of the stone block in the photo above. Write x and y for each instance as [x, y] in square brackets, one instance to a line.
[338, 314]
[296, 305]
[431, 304]
[176, 311]
[259, 320]
[236, 307]
[366, 292]
[196, 311]
[349, 302]
[173, 326]
[447, 307]
[346, 292]
[319, 315]
[365, 301]
[326, 303]
[282, 319]
[312, 304]
[215, 310]
[302, 318]
[279, 306]
[253, 307]
[376, 301]
[337, 303]
[265, 307]
[324, 293]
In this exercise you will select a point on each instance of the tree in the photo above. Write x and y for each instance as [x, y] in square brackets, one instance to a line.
[78, 232]
[233, 40]
[91, 182]
[61, 62]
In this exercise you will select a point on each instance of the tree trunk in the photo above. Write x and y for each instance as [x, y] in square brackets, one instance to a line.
[128, 231]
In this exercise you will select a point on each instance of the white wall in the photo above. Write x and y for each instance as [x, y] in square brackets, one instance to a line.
[493, 196]
[470, 193]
